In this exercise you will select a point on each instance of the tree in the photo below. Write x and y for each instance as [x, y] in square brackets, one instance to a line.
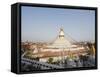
[50, 60]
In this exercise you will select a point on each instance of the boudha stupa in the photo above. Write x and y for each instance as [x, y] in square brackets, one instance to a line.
[61, 47]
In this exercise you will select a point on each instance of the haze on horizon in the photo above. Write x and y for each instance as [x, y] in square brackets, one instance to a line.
[43, 24]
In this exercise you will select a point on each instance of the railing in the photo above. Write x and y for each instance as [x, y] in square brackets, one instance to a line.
[40, 64]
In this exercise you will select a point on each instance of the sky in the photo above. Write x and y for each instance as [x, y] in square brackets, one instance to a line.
[43, 24]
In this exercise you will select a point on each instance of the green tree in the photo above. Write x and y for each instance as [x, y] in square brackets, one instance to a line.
[50, 60]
